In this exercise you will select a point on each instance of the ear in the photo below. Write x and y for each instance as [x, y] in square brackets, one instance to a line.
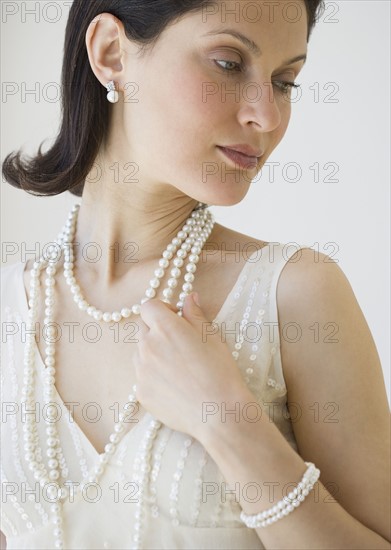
[105, 45]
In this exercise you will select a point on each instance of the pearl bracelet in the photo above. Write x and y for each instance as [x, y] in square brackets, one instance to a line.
[287, 504]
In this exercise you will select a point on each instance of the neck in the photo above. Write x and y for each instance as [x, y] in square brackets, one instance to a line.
[117, 231]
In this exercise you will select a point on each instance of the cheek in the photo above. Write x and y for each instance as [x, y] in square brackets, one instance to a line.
[189, 96]
[278, 133]
[173, 124]
[182, 123]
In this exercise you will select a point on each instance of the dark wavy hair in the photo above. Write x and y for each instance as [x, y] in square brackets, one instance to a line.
[85, 116]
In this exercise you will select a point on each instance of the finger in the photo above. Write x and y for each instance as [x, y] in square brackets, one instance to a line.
[143, 329]
[156, 311]
[193, 313]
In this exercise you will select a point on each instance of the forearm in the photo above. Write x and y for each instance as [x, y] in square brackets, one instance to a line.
[255, 455]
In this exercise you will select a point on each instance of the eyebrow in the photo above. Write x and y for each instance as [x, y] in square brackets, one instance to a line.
[251, 45]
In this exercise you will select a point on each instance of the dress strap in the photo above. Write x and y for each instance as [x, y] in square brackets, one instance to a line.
[281, 255]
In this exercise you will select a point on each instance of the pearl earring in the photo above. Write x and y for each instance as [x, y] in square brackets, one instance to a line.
[112, 95]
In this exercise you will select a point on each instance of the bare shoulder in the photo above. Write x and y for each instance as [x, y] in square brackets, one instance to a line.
[314, 271]
[226, 239]
[312, 284]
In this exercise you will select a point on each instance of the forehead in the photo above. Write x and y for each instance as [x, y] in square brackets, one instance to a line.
[259, 21]
[255, 11]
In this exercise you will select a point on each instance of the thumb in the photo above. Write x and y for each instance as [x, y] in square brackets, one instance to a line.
[192, 311]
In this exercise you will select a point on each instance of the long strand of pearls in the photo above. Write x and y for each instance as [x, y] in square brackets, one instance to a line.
[142, 478]
[194, 234]
[47, 480]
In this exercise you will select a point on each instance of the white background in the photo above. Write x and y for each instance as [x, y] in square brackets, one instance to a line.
[348, 63]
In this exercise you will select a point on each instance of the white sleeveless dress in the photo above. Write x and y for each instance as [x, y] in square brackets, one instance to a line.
[181, 511]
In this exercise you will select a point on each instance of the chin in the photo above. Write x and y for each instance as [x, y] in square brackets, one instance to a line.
[222, 198]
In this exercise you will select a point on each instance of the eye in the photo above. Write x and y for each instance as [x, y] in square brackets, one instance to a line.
[237, 68]
[284, 86]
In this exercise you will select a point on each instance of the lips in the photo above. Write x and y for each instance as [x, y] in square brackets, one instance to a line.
[245, 149]
[244, 161]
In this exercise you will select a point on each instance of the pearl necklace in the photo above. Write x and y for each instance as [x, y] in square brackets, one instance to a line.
[198, 228]
[193, 226]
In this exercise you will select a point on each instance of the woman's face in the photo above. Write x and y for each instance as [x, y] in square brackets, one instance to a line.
[197, 90]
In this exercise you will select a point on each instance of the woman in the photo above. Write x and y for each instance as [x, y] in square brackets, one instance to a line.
[207, 446]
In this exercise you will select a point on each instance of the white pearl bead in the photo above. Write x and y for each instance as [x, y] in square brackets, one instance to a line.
[159, 272]
[168, 292]
[178, 262]
[163, 262]
[154, 283]
[116, 316]
[126, 312]
[109, 448]
[113, 96]
[119, 428]
[187, 287]
[98, 315]
[150, 292]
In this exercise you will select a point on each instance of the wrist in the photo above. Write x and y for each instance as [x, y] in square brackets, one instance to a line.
[224, 419]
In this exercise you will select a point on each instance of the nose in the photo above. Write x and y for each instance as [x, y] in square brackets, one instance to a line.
[260, 106]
